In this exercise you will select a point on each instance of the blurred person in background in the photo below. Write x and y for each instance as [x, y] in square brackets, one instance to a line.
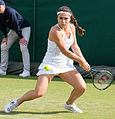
[18, 28]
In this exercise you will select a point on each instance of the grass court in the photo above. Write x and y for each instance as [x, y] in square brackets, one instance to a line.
[94, 103]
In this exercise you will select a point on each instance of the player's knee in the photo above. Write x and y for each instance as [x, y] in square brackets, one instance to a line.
[39, 94]
[81, 89]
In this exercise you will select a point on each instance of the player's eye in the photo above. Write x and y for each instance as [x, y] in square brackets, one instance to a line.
[65, 18]
[61, 17]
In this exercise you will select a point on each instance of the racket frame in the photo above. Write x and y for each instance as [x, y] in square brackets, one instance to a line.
[99, 71]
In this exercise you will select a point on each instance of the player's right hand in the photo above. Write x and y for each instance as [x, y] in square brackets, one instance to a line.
[85, 65]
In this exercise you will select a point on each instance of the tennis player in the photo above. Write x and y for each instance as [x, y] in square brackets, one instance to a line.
[59, 60]
[18, 28]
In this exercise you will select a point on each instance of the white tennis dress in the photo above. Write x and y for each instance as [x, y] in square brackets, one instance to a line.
[55, 60]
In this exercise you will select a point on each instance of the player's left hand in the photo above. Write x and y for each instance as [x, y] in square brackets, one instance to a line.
[23, 41]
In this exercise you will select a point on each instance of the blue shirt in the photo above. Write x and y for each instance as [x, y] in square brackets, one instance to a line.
[13, 20]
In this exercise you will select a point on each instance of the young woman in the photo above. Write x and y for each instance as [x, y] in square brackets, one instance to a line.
[59, 61]
[19, 28]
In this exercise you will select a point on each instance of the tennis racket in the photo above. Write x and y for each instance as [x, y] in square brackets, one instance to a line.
[102, 79]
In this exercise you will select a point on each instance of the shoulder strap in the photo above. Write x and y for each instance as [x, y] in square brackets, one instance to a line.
[59, 27]
[69, 29]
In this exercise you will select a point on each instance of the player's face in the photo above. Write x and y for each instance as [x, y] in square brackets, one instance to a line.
[63, 19]
[2, 8]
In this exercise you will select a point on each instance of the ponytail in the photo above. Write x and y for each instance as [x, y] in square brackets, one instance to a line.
[80, 30]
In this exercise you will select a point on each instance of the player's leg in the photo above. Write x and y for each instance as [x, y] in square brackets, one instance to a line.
[12, 36]
[39, 91]
[75, 79]
[25, 53]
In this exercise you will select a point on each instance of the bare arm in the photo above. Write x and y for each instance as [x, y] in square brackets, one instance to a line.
[55, 36]
[75, 48]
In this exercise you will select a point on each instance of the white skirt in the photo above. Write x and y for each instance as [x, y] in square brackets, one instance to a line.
[55, 68]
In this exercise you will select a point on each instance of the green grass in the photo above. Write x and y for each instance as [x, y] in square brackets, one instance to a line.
[95, 104]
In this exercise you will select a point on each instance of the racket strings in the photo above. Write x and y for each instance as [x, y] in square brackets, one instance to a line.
[102, 80]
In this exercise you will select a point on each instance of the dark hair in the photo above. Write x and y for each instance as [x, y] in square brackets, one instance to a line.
[67, 9]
